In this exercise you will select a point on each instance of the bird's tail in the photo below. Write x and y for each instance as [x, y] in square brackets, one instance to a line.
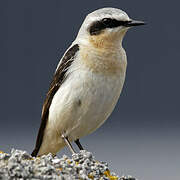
[34, 153]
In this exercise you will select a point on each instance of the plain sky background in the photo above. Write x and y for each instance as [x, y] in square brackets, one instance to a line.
[142, 136]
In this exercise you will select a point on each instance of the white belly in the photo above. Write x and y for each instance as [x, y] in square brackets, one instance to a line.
[82, 104]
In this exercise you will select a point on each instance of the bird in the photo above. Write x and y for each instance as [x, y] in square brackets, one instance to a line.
[87, 82]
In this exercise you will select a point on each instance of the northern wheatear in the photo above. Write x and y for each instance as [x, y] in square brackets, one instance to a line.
[87, 82]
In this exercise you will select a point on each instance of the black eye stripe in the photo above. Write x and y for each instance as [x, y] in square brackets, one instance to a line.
[110, 23]
[97, 26]
[106, 20]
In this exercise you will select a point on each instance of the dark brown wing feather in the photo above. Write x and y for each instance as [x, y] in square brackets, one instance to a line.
[54, 86]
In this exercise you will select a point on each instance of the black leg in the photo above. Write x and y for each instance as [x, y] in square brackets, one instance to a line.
[68, 144]
[79, 144]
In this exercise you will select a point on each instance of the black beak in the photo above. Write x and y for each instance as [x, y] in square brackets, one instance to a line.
[134, 23]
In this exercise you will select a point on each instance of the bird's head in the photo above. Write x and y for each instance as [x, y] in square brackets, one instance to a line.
[106, 26]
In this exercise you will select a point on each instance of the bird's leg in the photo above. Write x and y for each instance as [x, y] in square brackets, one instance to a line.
[66, 140]
[79, 144]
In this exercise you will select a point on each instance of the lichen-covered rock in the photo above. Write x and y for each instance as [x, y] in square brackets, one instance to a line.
[20, 165]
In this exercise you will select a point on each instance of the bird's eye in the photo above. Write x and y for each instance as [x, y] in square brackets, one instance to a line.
[106, 20]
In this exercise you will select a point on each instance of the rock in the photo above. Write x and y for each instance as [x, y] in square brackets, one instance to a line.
[20, 165]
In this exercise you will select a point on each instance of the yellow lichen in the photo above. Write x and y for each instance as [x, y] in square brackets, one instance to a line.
[1, 152]
[59, 169]
[90, 176]
[108, 174]
[113, 178]
[68, 161]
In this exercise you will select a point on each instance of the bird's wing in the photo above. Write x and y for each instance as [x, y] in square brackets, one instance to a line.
[58, 79]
